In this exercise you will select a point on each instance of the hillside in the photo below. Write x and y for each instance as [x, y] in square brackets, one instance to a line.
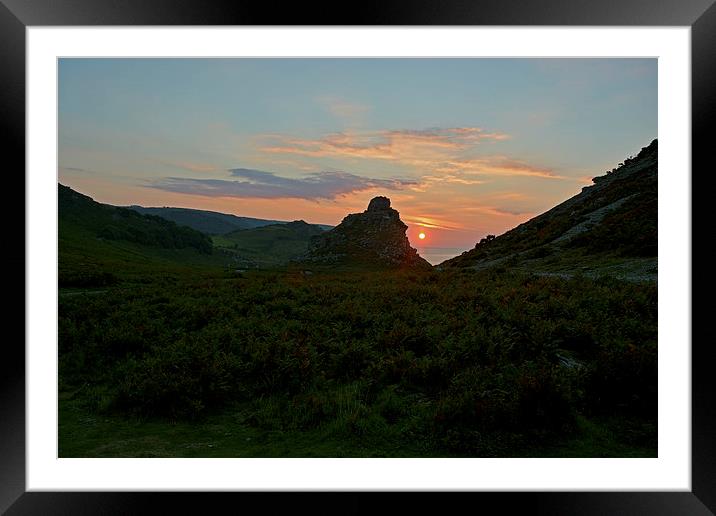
[209, 222]
[270, 245]
[115, 223]
[610, 227]
[98, 241]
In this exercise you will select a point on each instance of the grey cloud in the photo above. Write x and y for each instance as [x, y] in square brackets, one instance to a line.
[74, 169]
[507, 211]
[267, 185]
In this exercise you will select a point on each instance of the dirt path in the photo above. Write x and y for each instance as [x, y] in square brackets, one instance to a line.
[634, 277]
[77, 293]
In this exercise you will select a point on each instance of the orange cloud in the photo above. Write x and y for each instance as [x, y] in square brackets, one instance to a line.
[495, 211]
[432, 222]
[439, 154]
[495, 166]
[409, 146]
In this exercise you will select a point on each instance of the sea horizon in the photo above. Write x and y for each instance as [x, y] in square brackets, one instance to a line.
[436, 255]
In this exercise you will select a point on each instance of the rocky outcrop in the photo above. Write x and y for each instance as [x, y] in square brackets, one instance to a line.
[613, 220]
[374, 237]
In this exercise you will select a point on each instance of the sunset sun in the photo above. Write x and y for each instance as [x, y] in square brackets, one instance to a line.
[421, 236]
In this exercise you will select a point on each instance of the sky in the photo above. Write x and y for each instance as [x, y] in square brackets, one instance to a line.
[462, 147]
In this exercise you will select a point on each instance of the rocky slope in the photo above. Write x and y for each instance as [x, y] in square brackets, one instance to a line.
[374, 237]
[610, 225]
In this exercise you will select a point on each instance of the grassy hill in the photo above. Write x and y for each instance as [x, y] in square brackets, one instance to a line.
[275, 244]
[610, 227]
[100, 244]
[209, 222]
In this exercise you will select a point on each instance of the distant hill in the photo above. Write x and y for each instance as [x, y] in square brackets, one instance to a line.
[374, 238]
[610, 227]
[98, 241]
[209, 222]
[115, 223]
[269, 245]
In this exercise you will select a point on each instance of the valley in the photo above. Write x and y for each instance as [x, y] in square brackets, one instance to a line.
[293, 339]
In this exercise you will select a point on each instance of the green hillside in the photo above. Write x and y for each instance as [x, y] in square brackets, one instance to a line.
[209, 222]
[100, 244]
[271, 245]
[610, 227]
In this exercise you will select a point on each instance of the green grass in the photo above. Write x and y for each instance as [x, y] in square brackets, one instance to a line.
[83, 433]
[101, 245]
[268, 246]
[83, 255]
[604, 437]
[358, 363]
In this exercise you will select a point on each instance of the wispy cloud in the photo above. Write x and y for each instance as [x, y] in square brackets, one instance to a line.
[428, 181]
[76, 170]
[494, 210]
[495, 166]
[252, 183]
[409, 146]
[446, 155]
[432, 222]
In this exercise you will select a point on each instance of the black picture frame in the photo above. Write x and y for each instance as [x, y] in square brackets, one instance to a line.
[16, 15]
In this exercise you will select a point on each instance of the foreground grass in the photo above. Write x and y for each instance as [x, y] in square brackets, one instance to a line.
[84, 434]
[87, 434]
[358, 363]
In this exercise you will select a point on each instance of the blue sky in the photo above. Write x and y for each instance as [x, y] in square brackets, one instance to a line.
[464, 147]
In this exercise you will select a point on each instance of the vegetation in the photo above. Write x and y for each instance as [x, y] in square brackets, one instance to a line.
[615, 217]
[168, 348]
[424, 363]
[113, 223]
[100, 244]
[271, 245]
[209, 222]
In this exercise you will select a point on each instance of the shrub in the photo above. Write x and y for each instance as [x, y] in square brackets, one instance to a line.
[470, 362]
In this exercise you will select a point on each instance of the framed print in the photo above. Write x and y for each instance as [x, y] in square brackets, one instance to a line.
[416, 253]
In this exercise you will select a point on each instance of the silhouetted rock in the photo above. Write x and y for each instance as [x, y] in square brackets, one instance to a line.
[379, 204]
[376, 236]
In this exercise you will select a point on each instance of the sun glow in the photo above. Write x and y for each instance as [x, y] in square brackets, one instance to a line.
[421, 236]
